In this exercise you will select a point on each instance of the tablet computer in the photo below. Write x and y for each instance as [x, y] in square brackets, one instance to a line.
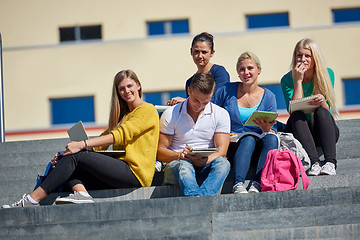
[256, 114]
[204, 152]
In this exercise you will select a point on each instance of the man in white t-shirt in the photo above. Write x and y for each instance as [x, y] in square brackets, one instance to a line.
[195, 123]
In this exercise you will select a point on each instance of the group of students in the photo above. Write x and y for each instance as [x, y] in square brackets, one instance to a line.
[214, 109]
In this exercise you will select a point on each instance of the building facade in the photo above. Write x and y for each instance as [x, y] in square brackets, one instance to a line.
[60, 57]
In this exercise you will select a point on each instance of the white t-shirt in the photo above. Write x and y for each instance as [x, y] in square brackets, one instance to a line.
[176, 122]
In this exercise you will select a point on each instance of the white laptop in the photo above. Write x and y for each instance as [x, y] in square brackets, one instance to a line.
[78, 133]
[161, 108]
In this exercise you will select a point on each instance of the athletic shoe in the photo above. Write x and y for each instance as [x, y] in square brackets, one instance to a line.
[239, 188]
[75, 198]
[315, 169]
[255, 187]
[23, 202]
[159, 166]
[328, 169]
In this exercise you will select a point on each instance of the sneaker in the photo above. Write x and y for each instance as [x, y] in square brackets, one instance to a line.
[74, 198]
[315, 169]
[328, 169]
[239, 188]
[159, 166]
[23, 202]
[255, 187]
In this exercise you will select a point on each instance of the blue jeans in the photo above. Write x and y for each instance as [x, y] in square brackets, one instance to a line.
[244, 155]
[197, 181]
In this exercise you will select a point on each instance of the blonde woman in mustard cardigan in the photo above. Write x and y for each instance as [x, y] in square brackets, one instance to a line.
[133, 126]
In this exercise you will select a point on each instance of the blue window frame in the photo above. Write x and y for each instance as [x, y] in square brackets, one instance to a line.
[72, 110]
[177, 94]
[267, 20]
[161, 98]
[346, 15]
[154, 98]
[168, 27]
[156, 28]
[180, 26]
[351, 91]
[276, 89]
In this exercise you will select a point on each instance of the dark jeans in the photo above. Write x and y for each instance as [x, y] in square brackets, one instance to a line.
[324, 134]
[93, 170]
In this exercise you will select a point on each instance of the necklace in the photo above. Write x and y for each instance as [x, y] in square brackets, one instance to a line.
[247, 100]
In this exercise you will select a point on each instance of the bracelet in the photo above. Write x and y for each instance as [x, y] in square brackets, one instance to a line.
[85, 143]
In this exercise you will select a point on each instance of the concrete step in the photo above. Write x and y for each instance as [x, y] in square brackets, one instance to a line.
[26, 159]
[348, 125]
[348, 146]
[17, 181]
[127, 194]
[45, 145]
[345, 231]
[328, 209]
[37, 162]
[227, 216]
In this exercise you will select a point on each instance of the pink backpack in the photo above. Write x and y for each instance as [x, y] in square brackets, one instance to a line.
[281, 171]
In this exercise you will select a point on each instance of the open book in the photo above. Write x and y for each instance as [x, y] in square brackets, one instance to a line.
[256, 114]
[235, 137]
[204, 152]
[302, 104]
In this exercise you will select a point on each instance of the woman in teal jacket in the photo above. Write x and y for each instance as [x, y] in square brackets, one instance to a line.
[309, 76]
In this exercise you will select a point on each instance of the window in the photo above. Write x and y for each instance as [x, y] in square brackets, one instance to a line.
[346, 15]
[177, 94]
[79, 33]
[153, 98]
[276, 89]
[161, 98]
[267, 20]
[351, 91]
[72, 110]
[168, 27]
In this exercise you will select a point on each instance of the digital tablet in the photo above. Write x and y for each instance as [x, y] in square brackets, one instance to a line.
[204, 152]
[256, 114]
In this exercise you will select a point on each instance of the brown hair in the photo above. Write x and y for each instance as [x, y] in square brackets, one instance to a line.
[204, 37]
[204, 82]
[119, 107]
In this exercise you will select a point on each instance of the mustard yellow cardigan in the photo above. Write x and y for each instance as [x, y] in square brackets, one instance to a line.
[138, 134]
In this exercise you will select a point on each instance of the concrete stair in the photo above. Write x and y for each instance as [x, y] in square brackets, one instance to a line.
[329, 209]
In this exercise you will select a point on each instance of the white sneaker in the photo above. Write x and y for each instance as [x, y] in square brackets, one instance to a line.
[255, 187]
[239, 188]
[75, 198]
[23, 202]
[328, 169]
[315, 169]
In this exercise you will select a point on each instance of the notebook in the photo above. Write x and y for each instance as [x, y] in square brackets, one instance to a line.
[302, 104]
[78, 133]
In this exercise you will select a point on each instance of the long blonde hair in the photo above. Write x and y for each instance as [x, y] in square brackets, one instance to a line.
[321, 78]
[119, 108]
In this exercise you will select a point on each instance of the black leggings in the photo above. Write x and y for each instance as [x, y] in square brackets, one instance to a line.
[325, 134]
[93, 170]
